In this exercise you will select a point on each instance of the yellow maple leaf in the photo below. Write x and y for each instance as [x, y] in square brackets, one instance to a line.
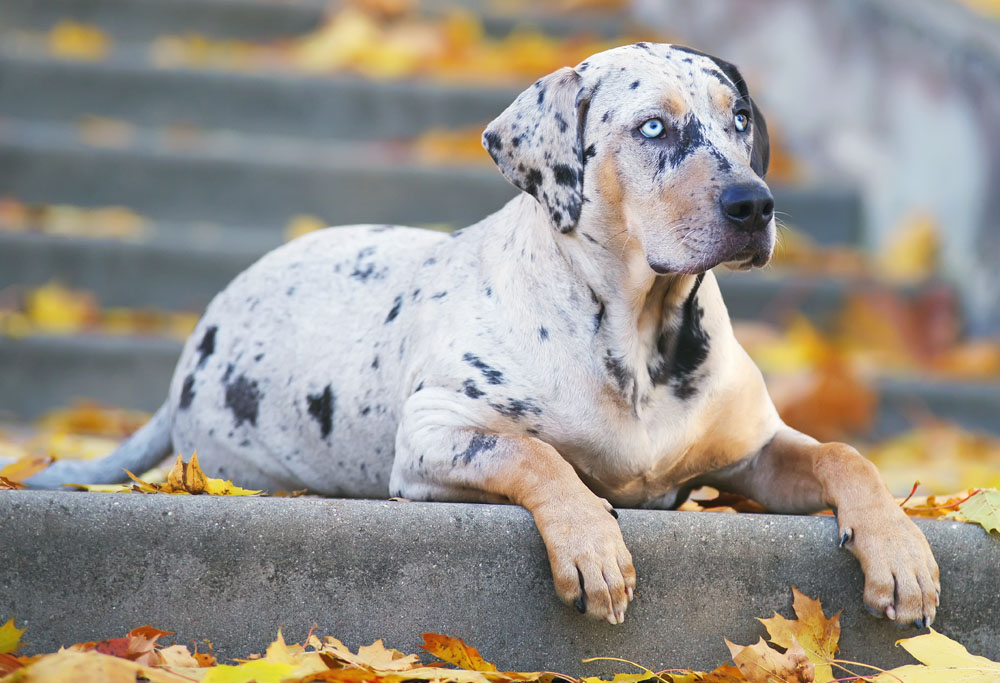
[761, 664]
[10, 637]
[942, 660]
[812, 630]
[983, 508]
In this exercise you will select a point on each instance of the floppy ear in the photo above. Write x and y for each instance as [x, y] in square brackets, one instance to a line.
[538, 144]
[760, 154]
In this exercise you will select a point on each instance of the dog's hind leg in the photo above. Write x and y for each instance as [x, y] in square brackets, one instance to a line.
[141, 451]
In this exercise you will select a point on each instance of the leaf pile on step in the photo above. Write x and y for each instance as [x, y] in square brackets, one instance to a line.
[53, 309]
[801, 650]
[109, 222]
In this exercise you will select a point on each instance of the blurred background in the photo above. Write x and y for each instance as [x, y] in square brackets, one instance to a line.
[151, 149]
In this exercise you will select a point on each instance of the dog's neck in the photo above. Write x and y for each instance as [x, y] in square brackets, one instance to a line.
[631, 311]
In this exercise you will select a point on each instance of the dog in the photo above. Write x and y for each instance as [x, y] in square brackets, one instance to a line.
[569, 353]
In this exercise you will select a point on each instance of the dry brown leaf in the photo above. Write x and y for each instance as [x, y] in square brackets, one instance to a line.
[761, 664]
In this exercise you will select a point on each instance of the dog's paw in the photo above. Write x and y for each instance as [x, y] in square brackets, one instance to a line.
[901, 575]
[591, 567]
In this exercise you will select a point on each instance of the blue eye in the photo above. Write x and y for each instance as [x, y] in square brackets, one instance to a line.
[652, 128]
[742, 122]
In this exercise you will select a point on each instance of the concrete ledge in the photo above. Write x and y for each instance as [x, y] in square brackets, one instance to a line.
[279, 103]
[81, 566]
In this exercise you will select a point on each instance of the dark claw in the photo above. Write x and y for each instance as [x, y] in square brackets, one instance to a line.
[875, 612]
[845, 538]
[614, 513]
[581, 605]
[919, 623]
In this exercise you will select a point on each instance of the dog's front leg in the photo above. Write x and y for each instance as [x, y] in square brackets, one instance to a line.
[591, 567]
[796, 474]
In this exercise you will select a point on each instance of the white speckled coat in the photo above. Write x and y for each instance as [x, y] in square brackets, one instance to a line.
[569, 352]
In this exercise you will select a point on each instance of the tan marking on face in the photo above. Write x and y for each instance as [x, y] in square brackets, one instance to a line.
[721, 97]
[687, 193]
[674, 105]
[609, 184]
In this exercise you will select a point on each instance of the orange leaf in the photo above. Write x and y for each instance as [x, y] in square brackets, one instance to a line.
[817, 635]
[25, 467]
[455, 651]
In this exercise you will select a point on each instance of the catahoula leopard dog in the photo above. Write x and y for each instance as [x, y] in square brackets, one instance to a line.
[569, 353]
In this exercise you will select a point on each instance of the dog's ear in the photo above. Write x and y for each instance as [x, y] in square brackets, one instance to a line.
[538, 144]
[760, 154]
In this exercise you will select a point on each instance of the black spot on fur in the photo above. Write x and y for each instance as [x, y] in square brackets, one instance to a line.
[692, 345]
[517, 408]
[365, 410]
[493, 141]
[680, 357]
[471, 390]
[607, 115]
[439, 295]
[243, 399]
[564, 174]
[532, 180]
[321, 408]
[589, 153]
[561, 122]
[543, 333]
[492, 375]
[187, 392]
[396, 305]
[723, 162]
[635, 84]
[541, 94]
[619, 372]
[690, 138]
[375, 363]
[207, 346]
[479, 443]
[598, 318]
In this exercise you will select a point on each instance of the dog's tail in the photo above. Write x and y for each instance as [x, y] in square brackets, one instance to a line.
[141, 451]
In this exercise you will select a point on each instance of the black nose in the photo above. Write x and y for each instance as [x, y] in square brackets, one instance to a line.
[749, 207]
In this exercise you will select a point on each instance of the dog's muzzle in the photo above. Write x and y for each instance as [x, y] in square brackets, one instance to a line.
[749, 209]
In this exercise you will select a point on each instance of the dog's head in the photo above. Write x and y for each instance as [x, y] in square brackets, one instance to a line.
[660, 139]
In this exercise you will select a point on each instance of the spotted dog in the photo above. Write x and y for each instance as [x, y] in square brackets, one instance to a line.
[569, 353]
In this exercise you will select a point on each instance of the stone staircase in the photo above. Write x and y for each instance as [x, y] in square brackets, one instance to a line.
[263, 148]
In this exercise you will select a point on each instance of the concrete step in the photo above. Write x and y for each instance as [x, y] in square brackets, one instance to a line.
[44, 372]
[232, 179]
[39, 88]
[268, 20]
[233, 570]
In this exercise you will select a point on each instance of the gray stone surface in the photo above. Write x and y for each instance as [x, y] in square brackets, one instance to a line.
[85, 566]
[283, 103]
[41, 373]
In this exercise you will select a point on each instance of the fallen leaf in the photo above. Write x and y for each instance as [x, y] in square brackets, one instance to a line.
[812, 630]
[455, 651]
[76, 665]
[943, 660]
[10, 637]
[73, 40]
[187, 478]
[761, 664]
[25, 467]
[983, 508]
